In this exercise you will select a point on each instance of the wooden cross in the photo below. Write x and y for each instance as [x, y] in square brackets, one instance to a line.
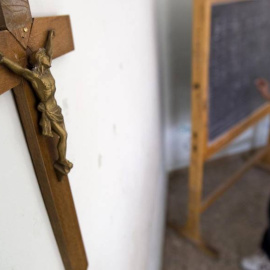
[19, 36]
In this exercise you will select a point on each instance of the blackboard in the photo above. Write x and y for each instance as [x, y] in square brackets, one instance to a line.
[239, 53]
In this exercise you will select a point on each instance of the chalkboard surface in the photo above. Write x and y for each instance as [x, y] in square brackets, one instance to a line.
[239, 53]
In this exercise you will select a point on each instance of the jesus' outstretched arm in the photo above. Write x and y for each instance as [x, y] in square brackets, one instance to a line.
[17, 69]
[49, 46]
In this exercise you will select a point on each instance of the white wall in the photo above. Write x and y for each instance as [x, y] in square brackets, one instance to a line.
[108, 89]
[177, 63]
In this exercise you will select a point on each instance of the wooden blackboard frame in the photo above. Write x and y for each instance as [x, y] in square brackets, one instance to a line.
[202, 149]
[200, 82]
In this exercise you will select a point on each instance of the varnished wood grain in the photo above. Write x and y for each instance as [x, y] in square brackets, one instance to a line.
[10, 48]
[63, 41]
[200, 60]
[56, 194]
[223, 141]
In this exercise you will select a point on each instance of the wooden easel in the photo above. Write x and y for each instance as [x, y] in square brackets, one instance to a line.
[19, 36]
[201, 150]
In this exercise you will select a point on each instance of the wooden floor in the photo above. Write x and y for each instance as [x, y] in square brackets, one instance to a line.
[234, 225]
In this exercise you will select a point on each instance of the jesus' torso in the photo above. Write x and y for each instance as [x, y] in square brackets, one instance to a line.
[44, 85]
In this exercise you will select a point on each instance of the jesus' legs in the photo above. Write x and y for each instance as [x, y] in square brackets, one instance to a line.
[59, 129]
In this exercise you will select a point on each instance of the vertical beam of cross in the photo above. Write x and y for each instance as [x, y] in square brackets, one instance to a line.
[20, 36]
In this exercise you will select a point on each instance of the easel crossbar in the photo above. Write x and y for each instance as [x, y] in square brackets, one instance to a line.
[233, 179]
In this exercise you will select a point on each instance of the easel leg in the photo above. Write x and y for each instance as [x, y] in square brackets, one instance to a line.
[192, 228]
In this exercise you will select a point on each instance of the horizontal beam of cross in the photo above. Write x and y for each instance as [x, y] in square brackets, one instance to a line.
[9, 46]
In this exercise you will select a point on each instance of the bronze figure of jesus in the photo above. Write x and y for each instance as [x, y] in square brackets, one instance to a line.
[43, 84]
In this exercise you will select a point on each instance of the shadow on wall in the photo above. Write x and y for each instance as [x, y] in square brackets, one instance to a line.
[177, 98]
[177, 91]
[180, 41]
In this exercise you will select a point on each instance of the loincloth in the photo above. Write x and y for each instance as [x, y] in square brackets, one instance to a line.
[47, 117]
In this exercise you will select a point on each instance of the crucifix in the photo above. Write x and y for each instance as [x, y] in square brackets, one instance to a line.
[27, 47]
